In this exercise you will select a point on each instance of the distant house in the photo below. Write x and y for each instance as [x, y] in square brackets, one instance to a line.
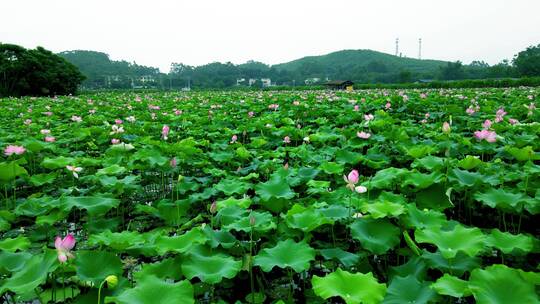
[339, 84]
[266, 82]
[312, 80]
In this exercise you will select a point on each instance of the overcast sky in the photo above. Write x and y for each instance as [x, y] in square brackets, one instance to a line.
[196, 32]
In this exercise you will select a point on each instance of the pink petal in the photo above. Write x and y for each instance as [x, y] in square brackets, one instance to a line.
[68, 242]
[62, 257]
[58, 243]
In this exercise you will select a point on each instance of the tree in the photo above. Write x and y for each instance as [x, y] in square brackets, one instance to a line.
[36, 72]
[452, 71]
[527, 62]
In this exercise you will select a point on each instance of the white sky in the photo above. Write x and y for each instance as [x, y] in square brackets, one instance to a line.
[195, 32]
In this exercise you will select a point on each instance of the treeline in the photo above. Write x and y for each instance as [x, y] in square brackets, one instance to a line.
[102, 72]
[36, 72]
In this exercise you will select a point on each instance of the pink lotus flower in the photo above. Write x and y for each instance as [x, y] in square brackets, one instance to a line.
[363, 135]
[513, 121]
[470, 111]
[287, 140]
[76, 118]
[131, 119]
[446, 127]
[487, 124]
[296, 103]
[388, 105]
[74, 170]
[234, 138]
[351, 179]
[118, 121]
[489, 136]
[11, 149]
[356, 108]
[50, 139]
[273, 106]
[48, 113]
[368, 117]
[64, 246]
[251, 113]
[177, 112]
[27, 122]
[423, 95]
[165, 132]
[115, 141]
[45, 131]
[92, 111]
[173, 162]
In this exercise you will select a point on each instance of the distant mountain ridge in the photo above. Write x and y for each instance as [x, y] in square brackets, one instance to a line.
[360, 66]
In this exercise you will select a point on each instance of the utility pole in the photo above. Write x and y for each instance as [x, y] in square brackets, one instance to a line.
[397, 46]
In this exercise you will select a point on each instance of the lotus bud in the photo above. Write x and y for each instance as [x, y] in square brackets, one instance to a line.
[213, 207]
[252, 220]
[112, 281]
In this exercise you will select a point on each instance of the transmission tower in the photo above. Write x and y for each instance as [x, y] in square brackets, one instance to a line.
[419, 48]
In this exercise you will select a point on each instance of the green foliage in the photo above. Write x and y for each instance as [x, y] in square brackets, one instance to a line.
[35, 72]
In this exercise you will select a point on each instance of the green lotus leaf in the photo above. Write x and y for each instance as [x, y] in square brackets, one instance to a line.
[243, 203]
[165, 269]
[94, 205]
[95, 266]
[347, 157]
[499, 284]
[507, 242]
[451, 286]
[151, 157]
[376, 235]
[209, 267]
[57, 163]
[434, 197]
[181, 243]
[276, 187]
[305, 219]
[264, 222]
[301, 175]
[353, 288]
[220, 237]
[10, 171]
[431, 163]
[419, 151]
[522, 154]
[13, 244]
[231, 186]
[420, 180]
[42, 179]
[152, 290]
[470, 162]
[346, 258]
[471, 241]
[335, 212]
[331, 168]
[13, 261]
[458, 265]
[501, 198]
[383, 209]
[466, 178]
[415, 266]
[243, 153]
[420, 219]
[384, 179]
[404, 290]
[33, 273]
[280, 256]
[59, 294]
[116, 240]
[111, 170]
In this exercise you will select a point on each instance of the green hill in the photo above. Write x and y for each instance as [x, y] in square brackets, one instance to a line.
[362, 66]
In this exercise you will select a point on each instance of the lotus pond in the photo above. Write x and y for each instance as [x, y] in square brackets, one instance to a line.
[377, 196]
